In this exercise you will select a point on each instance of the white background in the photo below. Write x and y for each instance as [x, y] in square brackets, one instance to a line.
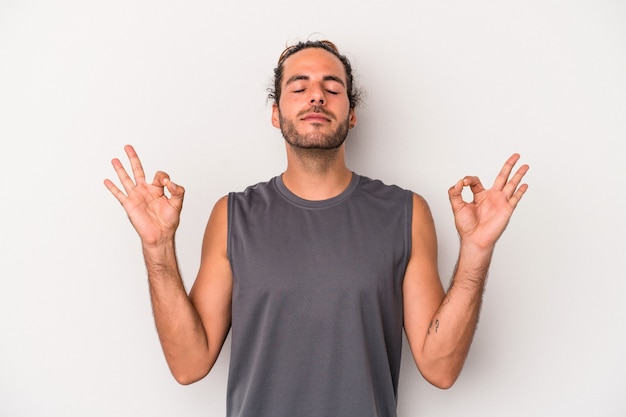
[453, 88]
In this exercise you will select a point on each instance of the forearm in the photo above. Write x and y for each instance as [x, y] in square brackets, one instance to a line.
[181, 333]
[452, 328]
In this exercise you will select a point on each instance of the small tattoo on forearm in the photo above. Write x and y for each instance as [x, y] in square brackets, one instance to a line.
[431, 326]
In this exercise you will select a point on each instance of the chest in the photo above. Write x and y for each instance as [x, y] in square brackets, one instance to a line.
[339, 249]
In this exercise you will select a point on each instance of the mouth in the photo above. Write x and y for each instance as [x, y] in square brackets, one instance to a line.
[316, 117]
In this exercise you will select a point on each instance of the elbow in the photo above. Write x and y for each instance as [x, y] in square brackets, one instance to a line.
[443, 382]
[441, 375]
[189, 368]
[187, 378]
[440, 369]
[189, 374]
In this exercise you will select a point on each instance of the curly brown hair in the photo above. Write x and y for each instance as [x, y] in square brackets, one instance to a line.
[354, 92]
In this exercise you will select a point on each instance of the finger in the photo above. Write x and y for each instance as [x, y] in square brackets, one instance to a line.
[117, 193]
[135, 164]
[503, 175]
[511, 186]
[125, 179]
[177, 194]
[161, 179]
[474, 183]
[517, 196]
[456, 197]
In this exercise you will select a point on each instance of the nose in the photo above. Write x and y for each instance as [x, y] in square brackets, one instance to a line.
[317, 96]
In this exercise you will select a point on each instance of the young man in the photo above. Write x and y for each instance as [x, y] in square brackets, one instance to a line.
[318, 270]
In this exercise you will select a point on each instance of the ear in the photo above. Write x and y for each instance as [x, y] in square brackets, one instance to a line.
[352, 118]
[275, 116]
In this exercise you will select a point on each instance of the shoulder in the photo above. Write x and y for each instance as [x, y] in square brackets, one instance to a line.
[378, 189]
[253, 194]
[420, 205]
[218, 219]
[422, 216]
[259, 187]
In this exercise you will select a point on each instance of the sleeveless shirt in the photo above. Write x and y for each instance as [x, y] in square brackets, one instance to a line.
[317, 309]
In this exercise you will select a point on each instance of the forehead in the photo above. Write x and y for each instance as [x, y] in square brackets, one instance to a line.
[311, 62]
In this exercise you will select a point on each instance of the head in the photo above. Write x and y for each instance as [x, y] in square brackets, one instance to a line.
[315, 96]
[354, 93]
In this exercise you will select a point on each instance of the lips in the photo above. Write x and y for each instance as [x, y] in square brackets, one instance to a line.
[316, 117]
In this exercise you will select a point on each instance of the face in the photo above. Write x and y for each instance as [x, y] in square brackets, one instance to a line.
[314, 111]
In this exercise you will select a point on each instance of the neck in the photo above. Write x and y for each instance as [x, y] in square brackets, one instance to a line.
[316, 174]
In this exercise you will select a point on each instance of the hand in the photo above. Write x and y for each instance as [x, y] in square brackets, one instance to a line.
[483, 220]
[154, 216]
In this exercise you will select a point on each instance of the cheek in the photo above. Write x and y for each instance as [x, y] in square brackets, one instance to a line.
[289, 108]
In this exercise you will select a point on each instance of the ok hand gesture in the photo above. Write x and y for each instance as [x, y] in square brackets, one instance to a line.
[154, 215]
[483, 220]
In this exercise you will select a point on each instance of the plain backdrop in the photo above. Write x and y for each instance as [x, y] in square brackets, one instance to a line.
[453, 88]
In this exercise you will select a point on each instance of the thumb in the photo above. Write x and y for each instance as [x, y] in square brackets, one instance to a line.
[456, 197]
[177, 193]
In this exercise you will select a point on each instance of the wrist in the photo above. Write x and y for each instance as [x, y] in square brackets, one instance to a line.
[160, 256]
[473, 265]
[475, 250]
[158, 245]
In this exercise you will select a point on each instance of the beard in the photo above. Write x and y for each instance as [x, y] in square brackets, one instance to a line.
[314, 140]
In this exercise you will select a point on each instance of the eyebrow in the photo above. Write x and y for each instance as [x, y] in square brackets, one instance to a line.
[299, 77]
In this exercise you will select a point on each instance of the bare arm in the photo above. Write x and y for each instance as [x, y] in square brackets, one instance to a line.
[439, 326]
[191, 337]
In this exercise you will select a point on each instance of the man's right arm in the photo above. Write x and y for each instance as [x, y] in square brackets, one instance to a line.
[192, 328]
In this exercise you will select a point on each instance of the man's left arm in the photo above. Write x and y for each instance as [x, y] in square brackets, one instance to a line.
[440, 326]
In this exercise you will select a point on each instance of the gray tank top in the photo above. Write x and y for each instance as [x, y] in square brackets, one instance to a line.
[317, 300]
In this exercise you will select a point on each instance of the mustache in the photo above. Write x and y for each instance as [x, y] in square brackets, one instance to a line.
[316, 109]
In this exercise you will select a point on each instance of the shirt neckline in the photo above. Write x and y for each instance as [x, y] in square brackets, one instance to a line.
[316, 204]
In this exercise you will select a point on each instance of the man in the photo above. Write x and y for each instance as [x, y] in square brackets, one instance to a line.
[318, 270]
